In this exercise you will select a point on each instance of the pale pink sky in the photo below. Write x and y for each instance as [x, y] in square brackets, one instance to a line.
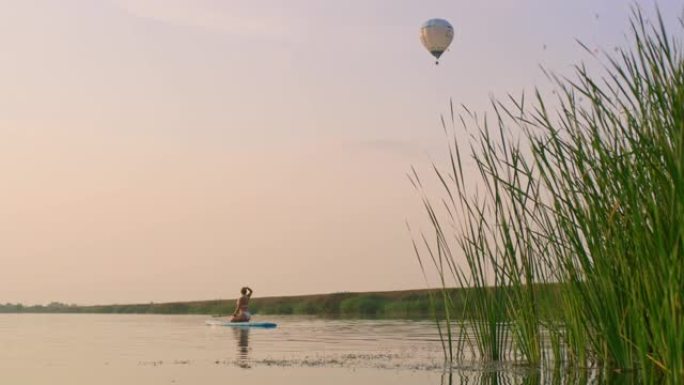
[158, 150]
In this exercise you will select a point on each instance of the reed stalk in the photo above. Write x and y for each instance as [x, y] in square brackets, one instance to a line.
[585, 193]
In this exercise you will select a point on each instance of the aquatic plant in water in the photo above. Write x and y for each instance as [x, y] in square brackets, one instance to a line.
[582, 194]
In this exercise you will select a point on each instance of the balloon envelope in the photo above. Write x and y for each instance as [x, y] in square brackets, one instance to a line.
[436, 35]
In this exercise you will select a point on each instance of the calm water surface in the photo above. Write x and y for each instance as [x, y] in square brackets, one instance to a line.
[157, 349]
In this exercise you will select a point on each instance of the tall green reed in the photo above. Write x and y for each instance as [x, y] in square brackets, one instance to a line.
[584, 192]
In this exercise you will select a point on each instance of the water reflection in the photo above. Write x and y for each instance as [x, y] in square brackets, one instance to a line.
[522, 376]
[242, 337]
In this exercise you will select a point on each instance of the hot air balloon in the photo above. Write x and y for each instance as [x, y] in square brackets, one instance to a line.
[436, 35]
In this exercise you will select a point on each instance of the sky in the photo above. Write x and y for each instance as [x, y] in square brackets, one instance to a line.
[164, 150]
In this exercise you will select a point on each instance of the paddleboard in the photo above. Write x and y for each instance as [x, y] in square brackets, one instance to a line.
[263, 325]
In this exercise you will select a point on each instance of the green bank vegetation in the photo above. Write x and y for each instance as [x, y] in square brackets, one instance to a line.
[408, 304]
[583, 190]
[393, 304]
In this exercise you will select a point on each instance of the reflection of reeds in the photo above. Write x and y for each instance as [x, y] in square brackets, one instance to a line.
[590, 199]
[509, 376]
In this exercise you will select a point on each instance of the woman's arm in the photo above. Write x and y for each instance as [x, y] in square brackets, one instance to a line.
[250, 291]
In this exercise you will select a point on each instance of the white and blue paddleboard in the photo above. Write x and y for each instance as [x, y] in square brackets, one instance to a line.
[263, 325]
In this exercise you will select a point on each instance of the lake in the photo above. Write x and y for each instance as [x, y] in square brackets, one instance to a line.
[157, 349]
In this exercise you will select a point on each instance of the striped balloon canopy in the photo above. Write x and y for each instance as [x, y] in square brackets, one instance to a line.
[436, 35]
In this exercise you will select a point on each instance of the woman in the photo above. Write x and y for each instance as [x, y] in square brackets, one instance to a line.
[241, 313]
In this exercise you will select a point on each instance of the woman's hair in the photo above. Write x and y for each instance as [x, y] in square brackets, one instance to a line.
[243, 290]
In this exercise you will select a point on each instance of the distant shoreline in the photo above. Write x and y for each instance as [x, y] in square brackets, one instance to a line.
[390, 304]
[401, 304]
